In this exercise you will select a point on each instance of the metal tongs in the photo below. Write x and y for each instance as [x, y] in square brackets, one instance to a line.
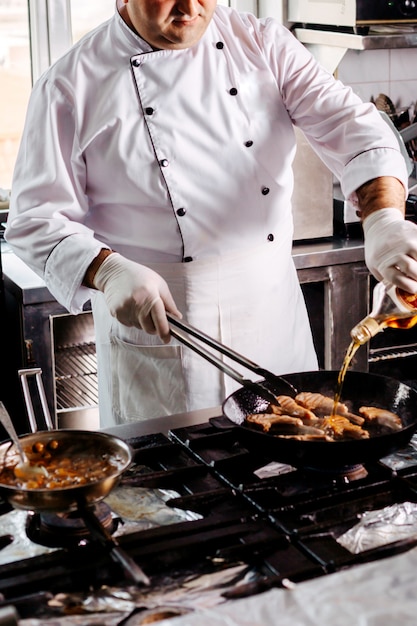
[268, 388]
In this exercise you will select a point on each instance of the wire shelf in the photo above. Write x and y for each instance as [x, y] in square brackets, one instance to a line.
[76, 376]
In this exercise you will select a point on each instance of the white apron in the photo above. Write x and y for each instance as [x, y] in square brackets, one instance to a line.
[251, 302]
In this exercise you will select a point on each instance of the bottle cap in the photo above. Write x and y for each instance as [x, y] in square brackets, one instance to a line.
[366, 329]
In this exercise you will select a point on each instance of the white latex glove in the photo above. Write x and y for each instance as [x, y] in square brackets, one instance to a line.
[391, 248]
[136, 295]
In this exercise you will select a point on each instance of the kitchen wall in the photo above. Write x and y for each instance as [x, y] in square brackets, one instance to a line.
[392, 72]
[368, 72]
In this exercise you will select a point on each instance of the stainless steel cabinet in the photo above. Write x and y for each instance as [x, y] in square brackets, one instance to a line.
[42, 334]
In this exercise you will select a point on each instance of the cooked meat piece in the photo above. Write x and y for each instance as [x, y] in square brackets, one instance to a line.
[290, 407]
[355, 419]
[275, 408]
[319, 404]
[309, 417]
[381, 417]
[322, 437]
[342, 428]
[265, 421]
[310, 430]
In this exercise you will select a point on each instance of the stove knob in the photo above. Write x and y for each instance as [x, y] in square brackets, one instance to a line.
[407, 7]
[8, 616]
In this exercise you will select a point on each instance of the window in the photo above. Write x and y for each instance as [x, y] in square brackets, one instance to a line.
[87, 15]
[24, 54]
[55, 25]
[15, 82]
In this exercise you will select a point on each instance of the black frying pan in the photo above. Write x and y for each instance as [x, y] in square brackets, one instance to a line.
[359, 389]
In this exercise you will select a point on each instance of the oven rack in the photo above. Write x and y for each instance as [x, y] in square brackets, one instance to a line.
[397, 352]
[76, 376]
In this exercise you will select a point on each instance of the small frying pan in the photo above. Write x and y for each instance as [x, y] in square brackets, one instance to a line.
[72, 443]
[359, 389]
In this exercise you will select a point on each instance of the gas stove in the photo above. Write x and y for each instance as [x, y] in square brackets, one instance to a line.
[230, 515]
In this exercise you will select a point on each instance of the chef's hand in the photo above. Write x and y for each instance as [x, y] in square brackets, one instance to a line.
[391, 248]
[136, 295]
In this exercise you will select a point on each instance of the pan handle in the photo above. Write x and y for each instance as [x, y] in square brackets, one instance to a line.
[37, 372]
[259, 388]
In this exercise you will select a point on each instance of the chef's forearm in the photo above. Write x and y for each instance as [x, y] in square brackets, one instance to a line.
[380, 193]
[93, 267]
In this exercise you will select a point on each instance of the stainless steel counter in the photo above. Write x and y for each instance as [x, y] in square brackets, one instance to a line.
[21, 281]
[337, 265]
[334, 251]
[164, 424]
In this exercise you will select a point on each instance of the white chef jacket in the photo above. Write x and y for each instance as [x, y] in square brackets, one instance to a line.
[181, 160]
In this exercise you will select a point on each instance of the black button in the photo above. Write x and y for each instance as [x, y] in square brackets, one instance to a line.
[219, 45]
[270, 237]
[164, 163]
[265, 191]
[187, 259]
[248, 144]
[233, 91]
[149, 110]
[136, 62]
[181, 212]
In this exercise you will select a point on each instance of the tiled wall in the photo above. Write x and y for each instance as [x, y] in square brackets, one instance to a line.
[391, 72]
[369, 72]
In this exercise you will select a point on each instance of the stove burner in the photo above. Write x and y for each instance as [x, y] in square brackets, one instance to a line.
[60, 530]
[346, 473]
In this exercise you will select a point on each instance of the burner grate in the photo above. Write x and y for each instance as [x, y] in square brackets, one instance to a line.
[281, 528]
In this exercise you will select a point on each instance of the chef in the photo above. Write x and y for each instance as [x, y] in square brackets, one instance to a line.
[154, 175]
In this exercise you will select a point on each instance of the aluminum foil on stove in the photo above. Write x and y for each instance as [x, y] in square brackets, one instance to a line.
[378, 528]
[138, 508]
[135, 606]
[407, 457]
[22, 547]
[142, 508]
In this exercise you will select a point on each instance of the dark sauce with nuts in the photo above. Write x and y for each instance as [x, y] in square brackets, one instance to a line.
[63, 468]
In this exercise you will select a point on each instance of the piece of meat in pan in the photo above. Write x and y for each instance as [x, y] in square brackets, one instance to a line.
[381, 416]
[319, 404]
